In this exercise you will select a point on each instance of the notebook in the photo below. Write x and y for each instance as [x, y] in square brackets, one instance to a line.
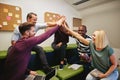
[75, 66]
[95, 72]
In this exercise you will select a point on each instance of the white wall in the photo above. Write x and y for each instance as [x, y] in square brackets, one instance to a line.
[105, 17]
[39, 7]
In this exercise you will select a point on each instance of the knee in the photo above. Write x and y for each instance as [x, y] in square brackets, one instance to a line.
[89, 77]
[40, 48]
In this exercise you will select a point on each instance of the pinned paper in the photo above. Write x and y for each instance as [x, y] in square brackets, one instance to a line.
[8, 17]
[5, 23]
[18, 21]
[48, 14]
[10, 14]
[15, 25]
[5, 10]
[17, 15]
[17, 8]
[54, 16]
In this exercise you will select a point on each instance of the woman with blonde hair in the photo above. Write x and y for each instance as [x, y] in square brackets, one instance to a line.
[103, 58]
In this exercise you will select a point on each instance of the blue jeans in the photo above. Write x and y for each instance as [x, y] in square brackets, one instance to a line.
[113, 76]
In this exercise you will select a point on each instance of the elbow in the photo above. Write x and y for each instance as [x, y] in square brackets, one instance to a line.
[114, 65]
[13, 43]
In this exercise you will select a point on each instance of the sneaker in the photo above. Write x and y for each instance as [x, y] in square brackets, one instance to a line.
[47, 70]
[51, 74]
[61, 67]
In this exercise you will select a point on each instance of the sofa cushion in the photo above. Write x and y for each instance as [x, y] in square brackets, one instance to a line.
[3, 54]
[50, 49]
[40, 72]
[68, 73]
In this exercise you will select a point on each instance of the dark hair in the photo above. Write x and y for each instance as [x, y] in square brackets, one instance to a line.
[25, 26]
[29, 15]
[84, 27]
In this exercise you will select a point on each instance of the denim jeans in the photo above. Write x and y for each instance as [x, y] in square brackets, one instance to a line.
[113, 76]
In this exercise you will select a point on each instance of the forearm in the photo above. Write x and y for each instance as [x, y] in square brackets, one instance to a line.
[51, 24]
[39, 39]
[113, 66]
[111, 69]
[78, 36]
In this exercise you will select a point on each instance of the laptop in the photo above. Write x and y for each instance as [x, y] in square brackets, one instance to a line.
[47, 76]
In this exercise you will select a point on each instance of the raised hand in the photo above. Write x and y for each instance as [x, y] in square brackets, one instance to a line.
[0, 26]
[61, 20]
[33, 73]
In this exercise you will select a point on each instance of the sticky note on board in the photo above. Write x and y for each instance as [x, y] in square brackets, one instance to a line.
[17, 15]
[18, 21]
[5, 23]
[5, 10]
[15, 25]
[8, 17]
[11, 15]
[17, 8]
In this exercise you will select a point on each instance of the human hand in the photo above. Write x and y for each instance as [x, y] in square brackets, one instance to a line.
[65, 25]
[1, 26]
[61, 20]
[85, 57]
[101, 75]
[59, 44]
[33, 73]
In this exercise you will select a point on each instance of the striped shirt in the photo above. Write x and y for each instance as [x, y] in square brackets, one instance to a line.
[81, 47]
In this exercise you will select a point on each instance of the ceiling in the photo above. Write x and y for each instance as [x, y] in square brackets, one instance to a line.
[90, 7]
[85, 4]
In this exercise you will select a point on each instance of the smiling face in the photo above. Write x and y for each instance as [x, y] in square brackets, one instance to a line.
[100, 39]
[82, 30]
[33, 19]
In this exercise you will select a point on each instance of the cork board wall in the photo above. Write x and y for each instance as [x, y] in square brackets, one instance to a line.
[10, 17]
[51, 17]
